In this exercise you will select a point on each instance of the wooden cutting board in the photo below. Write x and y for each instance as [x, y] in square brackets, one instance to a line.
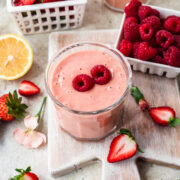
[160, 144]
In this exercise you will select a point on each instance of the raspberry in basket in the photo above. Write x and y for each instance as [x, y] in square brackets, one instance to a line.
[172, 56]
[125, 47]
[146, 31]
[146, 52]
[177, 40]
[172, 24]
[164, 38]
[132, 8]
[153, 20]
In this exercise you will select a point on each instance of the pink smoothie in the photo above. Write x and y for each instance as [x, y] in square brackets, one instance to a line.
[99, 97]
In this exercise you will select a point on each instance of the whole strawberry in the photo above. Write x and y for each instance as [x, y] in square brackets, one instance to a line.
[24, 2]
[25, 175]
[123, 147]
[11, 107]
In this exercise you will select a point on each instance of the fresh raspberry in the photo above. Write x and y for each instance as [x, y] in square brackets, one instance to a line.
[153, 43]
[177, 40]
[172, 56]
[153, 20]
[132, 8]
[131, 31]
[164, 38]
[146, 52]
[159, 59]
[101, 74]
[130, 20]
[146, 11]
[135, 49]
[172, 24]
[18, 3]
[146, 31]
[125, 47]
[83, 83]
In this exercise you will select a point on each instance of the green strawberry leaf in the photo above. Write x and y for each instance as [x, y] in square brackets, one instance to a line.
[174, 122]
[136, 93]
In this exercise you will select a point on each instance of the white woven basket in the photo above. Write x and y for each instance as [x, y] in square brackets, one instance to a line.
[150, 67]
[46, 17]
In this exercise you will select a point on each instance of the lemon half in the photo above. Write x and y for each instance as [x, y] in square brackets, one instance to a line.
[16, 56]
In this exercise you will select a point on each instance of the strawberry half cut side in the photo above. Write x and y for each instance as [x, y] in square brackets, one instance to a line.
[164, 116]
[139, 98]
[28, 88]
[123, 147]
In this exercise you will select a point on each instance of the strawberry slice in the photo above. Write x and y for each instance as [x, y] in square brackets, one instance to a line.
[28, 88]
[139, 98]
[164, 116]
[25, 175]
[123, 147]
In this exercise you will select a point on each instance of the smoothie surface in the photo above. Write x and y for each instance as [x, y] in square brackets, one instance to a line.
[100, 96]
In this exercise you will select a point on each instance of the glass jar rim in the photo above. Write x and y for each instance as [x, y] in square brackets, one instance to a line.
[63, 50]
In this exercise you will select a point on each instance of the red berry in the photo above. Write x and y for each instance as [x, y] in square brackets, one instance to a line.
[131, 31]
[101, 74]
[83, 83]
[159, 59]
[146, 31]
[146, 52]
[130, 20]
[135, 49]
[4, 116]
[152, 43]
[172, 56]
[146, 11]
[132, 8]
[164, 38]
[177, 40]
[125, 47]
[153, 20]
[172, 24]
[27, 2]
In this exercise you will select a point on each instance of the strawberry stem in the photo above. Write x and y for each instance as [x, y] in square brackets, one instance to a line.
[173, 122]
[40, 111]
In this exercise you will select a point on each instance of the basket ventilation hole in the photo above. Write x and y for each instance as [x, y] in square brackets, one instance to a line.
[33, 13]
[24, 14]
[63, 25]
[54, 26]
[72, 24]
[132, 67]
[53, 18]
[35, 21]
[164, 74]
[45, 27]
[36, 29]
[51, 10]
[44, 19]
[147, 70]
[28, 30]
[61, 9]
[42, 11]
[71, 16]
[62, 17]
[71, 8]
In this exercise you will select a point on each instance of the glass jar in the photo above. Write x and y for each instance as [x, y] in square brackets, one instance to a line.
[93, 125]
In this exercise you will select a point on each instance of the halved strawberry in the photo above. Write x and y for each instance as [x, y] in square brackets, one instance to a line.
[28, 88]
[25, 175]
[123, 147]
[164, 116]
[139, 98]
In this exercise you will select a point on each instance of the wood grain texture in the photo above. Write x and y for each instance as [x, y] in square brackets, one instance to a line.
[160, 144]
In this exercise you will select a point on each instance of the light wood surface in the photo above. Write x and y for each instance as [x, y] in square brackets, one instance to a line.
[160, 144]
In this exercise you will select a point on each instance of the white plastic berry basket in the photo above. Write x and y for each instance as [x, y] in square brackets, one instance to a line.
[46, 17]
[150, 67]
